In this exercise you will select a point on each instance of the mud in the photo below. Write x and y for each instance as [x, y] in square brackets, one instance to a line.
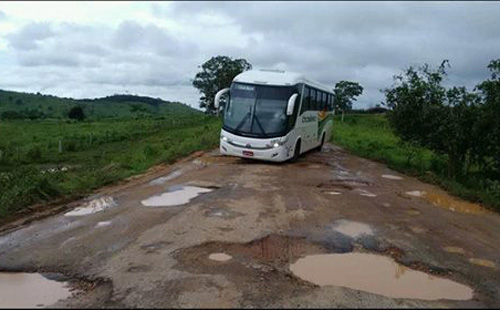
[352, 229]
[376, 274]
[448, 202]
[30, 290]
[161, 180]
[391, 177]
[175, 196]
[266, 217]
[93, 206]
[220, 257]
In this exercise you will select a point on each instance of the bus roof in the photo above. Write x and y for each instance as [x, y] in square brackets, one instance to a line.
[277, 78]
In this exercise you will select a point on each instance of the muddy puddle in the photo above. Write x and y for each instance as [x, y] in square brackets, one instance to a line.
[377, 274]
[177, 195]
[93, 206]
[30, 290]
[448, 202]
[161, 180]
[352, 229]
[220, 257]
[391, 177]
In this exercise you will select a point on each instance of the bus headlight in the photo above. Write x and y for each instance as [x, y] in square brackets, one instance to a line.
[223, 138]
[275, 143]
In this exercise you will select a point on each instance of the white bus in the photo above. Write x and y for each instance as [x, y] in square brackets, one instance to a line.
[274, 115]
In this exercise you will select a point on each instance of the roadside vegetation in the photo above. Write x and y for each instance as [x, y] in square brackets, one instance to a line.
[445, 136]
[41, 160]
[53, 147]
[371, 136]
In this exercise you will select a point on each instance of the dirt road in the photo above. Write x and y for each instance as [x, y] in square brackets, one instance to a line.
[216, 231]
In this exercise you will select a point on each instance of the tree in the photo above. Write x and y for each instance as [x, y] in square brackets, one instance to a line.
[345, 93]
[217, 73]
[76, 112]
[424, 113]
[489, 128]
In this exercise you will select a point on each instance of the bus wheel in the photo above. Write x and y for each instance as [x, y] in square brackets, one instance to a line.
[320, 147]
[296, 152]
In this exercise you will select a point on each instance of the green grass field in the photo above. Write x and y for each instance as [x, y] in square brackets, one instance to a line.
[370, 136]
[93, 154]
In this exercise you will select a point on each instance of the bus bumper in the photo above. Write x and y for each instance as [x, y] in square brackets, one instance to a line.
[275, 154]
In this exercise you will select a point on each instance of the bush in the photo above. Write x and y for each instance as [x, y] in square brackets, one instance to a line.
[24, 186]
[34, 153]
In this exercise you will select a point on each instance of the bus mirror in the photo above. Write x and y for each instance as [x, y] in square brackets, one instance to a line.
[291, 104]
[218, 96]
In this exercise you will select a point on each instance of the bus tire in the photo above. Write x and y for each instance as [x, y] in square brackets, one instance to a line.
[296, 152]
[320, 147]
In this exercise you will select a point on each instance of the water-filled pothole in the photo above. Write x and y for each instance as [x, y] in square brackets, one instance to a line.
[220, 257]
[448, 202]
[30, 290]
[391, 177]
[93, 206]
[377, 274]
[177, 195]
[168, 177]
[352, 229]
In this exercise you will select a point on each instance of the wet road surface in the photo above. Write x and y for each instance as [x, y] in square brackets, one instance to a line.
[332, 230]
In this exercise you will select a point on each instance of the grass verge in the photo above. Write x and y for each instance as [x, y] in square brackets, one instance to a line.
[370, 136]
[32, 170]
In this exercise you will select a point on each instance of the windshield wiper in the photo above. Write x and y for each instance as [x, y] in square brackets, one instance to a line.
[260, 125]
[243, 121]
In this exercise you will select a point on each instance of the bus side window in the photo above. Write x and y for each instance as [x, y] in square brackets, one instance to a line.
[318, 100]
[312, 106]
[323, 102]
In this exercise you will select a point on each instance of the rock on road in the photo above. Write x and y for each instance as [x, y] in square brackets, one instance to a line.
[214, 231]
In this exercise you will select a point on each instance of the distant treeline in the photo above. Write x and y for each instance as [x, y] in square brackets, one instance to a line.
[373, 110]
[28, 106]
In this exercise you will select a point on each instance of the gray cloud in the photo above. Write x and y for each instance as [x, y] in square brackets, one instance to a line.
[2, 15]
[30, 36]
[367, 42]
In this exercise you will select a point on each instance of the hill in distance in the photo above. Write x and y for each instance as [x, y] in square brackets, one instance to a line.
[19, 105]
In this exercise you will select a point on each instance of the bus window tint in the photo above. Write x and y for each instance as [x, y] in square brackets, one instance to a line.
[323, 102]
[312, 107]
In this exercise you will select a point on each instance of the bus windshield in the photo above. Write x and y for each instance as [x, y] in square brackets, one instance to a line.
[257, 110]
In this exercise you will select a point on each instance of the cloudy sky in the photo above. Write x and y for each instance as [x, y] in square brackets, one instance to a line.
[90, 49]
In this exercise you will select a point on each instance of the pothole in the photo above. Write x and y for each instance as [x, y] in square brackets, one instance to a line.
[177, 195]
[352, 229]
[334, 186]
[222, 213]
[220, 257]
[482, 262]
[377, 274]
[391, 177]
[448, 202]
[274, 250]
[102, 224]
[413, 212]
[332, 193]
[30, 290]
[93, 206]
[365, 193]
[173, 175]
[454, 249]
